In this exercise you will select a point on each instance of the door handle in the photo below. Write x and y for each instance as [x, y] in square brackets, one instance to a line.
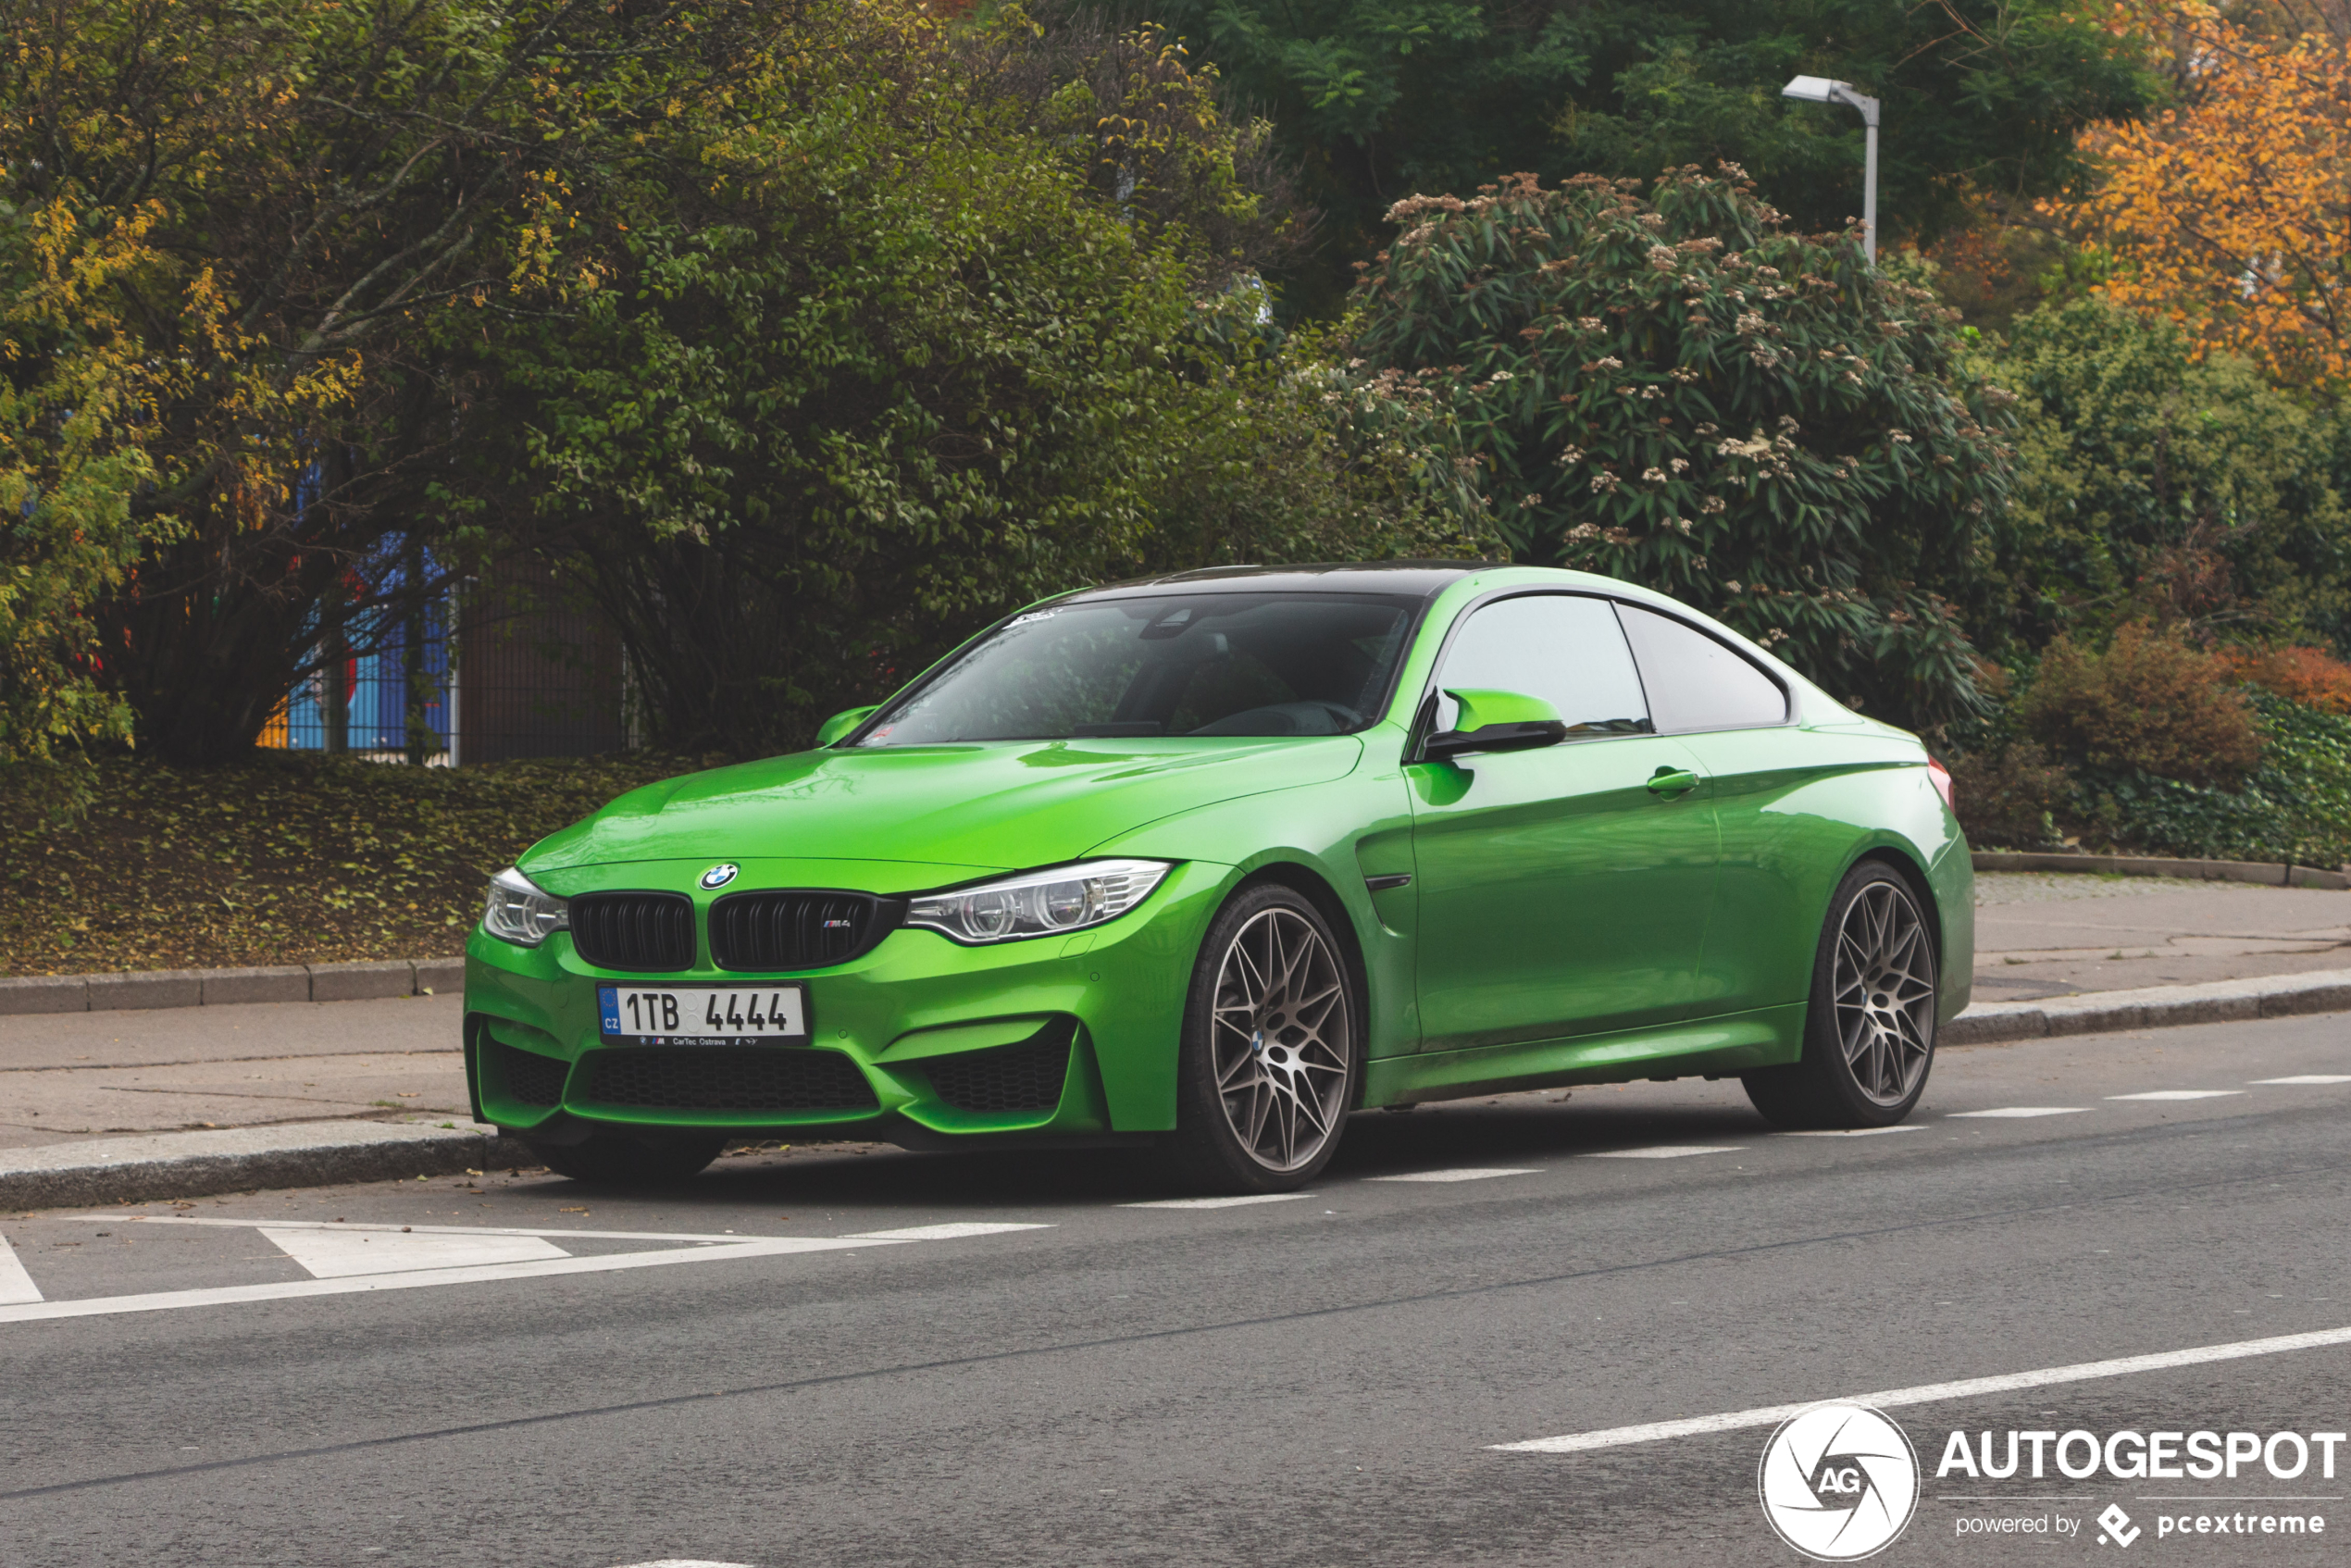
[1673, 782]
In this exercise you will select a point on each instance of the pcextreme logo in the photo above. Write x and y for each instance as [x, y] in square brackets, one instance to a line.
[1838, 1481]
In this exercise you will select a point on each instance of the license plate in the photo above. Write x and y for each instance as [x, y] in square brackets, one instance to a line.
[684, 1016]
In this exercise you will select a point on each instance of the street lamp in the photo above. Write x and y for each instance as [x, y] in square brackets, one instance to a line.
[1821, 90]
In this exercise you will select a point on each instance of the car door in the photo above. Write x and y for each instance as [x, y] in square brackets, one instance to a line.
[1559, 892]
[1732, 714]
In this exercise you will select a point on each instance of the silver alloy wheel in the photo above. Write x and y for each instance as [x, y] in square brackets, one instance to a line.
[1885, 992]
[1280, 1039]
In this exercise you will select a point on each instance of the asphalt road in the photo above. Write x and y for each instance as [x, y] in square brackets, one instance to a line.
[1316, 1381]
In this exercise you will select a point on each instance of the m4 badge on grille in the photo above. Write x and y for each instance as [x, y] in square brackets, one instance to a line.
[719, 876]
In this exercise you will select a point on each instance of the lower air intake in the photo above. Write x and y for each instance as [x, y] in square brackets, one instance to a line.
[1027, 1077]
[530, 1078]
[729, 1079]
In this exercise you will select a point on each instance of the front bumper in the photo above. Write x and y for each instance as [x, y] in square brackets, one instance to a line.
[920, 1038]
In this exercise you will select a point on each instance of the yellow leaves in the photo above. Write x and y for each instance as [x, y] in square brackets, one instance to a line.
[2232, 215]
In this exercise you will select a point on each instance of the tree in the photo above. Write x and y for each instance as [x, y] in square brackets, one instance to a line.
[2154, 486]
[2230, 214]
[76, 406]
[1379, 101]
[897, 354]
[326, 191]
[1679, 390]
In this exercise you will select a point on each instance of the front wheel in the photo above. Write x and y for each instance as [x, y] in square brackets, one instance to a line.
[626, 1159]
[1272, 1038]
[1869, 1035]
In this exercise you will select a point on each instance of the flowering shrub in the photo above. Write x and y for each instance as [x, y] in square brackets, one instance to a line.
[1676, 391]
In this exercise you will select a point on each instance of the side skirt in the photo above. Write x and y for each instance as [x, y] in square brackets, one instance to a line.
[1737, 1043]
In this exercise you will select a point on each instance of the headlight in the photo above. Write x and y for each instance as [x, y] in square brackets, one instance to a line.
[1039, 904]
[519, 912]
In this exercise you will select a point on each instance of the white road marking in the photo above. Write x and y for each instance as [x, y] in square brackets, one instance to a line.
[685, 1563]
[1929, 1393]
[426, 1230]
[165, 1300]
[1662, 1152]
[15, 1284]
[330, 1254]
[1851, 1132]
[2310, 1078]
[2179, 1094]
[1455, 1175]
[955, 1231]
[1219, 1203]
[2013, 1111]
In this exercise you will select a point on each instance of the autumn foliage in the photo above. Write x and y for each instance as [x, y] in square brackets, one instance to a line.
[2150, 701]
[2231, 212]
[2309, 676]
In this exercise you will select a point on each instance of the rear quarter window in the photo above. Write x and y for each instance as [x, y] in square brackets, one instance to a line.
[1695, 682]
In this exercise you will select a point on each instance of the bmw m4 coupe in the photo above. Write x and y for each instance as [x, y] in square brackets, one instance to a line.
[1208, 863]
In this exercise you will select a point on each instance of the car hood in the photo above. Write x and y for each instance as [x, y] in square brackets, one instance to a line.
[987, 807]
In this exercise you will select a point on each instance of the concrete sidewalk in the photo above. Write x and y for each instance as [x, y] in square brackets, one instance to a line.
[114, 1104]
[74, 1076]
[2050, 934]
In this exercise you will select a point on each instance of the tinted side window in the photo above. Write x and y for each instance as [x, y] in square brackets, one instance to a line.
[1565, 650]
[1695, 682]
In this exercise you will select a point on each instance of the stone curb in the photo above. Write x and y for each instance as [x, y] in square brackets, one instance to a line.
[215, 988]
[2262, 873]
[190, 1165]
[2155, 1007]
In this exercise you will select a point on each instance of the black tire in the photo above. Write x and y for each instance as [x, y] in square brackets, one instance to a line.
[1265, 1081]
[631, 1159]
[1869, 1033]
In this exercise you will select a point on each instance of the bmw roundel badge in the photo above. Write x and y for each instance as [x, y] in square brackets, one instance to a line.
[719, 876]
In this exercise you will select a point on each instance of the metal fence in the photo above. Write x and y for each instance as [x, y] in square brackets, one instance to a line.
[395, 704]
[502, 669]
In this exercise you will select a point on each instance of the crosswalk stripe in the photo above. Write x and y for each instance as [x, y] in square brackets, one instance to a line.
[1662, 1152]
[2179, 1094]
[1219, 1203]
[1468, 1174]
[165, 1300]
[2021, 1110]
[15, 1285]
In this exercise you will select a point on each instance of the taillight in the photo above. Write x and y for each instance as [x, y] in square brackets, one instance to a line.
[1940, 776]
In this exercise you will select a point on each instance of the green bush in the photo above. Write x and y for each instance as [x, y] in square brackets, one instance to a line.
[2010, 797]
[1679, 392]
[2151, 484]
[2295, 806]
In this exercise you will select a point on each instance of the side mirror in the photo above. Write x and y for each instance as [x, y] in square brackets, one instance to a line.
[1496, 721]
[842, 724]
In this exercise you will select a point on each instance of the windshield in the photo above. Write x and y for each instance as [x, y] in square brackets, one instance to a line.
[1203, 663]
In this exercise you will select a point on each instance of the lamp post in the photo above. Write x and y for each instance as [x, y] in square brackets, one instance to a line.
[1821, 90]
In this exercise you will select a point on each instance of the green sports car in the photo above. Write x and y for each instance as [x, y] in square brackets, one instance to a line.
[1208, 861]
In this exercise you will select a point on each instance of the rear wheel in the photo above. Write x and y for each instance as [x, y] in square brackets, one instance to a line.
[1869, 1035]
[631, 1159]
[1272, 1040]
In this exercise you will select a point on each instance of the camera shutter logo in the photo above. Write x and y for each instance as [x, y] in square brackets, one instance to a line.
[719, 876]
[1838, 1481]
